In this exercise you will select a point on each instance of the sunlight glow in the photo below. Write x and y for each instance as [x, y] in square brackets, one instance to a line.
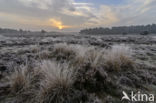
[58, 24]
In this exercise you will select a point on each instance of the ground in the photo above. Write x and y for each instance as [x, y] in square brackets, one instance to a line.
[24, 49]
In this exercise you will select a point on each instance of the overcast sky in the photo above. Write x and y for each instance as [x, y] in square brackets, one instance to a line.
[73, 15]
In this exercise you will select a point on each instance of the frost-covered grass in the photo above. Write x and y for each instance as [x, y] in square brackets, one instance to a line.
[63, 51]
[119, 57]
[71, 69]
[48, 82]
[57, 84]
[23, 85]
[53, 80]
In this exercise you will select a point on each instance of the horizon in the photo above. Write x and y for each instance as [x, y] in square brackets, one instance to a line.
[18, 29]
[74, 15]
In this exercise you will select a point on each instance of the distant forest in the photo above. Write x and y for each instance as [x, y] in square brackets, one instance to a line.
[139, 29]
[5, 30]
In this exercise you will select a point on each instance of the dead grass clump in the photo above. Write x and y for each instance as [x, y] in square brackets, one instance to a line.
[23, 85]
[88, 56]
[19, 80]
[34, 48]
[94, 58]
[119, 57]
[80, 58]
[90, 74]
[57, 85]
[63, 52]
[45, 55]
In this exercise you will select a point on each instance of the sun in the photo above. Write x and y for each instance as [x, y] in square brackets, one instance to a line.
[60, 27]
[58, 24]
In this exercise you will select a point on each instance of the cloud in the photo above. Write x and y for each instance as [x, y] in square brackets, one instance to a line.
[23, 19]
[79, 9]
[29, 23]
[42, 4]
[137, 12]
[93, 16]
[103, 16]
[134, 12]
[47, 4]
[74, 14]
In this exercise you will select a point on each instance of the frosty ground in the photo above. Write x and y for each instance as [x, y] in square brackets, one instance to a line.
[75, 68]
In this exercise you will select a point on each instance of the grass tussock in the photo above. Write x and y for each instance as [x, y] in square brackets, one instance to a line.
[119, 57]
[44, 55]
[80, 59]
[63, 52]
[94, 58]
[87, 56]
[23, 85]
[19, 80]
[57, 85]
[48, 82]
[34, 48]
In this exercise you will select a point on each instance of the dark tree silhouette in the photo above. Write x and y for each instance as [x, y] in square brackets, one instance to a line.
[139, 29]
[43, 31]
[2, 30]
[144, 33]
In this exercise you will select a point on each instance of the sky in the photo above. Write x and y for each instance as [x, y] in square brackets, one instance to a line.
[74, 15]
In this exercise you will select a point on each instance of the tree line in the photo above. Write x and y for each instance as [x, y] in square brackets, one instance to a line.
[138, 29]
[5, 30]
[21, 31]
